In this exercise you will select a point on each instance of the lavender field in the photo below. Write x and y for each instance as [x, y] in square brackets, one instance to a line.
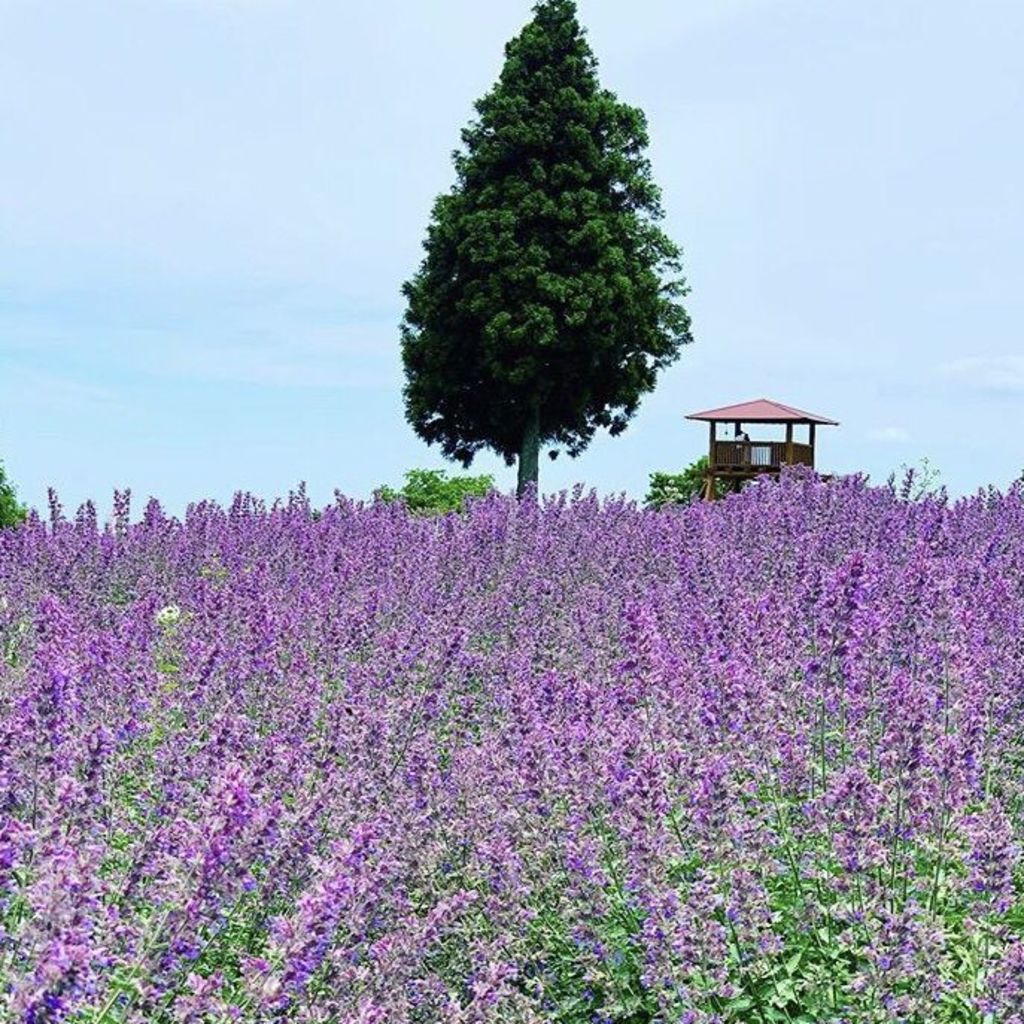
[757, 760]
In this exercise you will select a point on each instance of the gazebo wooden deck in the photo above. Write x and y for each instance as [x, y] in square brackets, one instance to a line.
[742, 459]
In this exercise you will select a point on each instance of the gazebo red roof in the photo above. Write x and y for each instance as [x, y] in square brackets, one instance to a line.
[761, 410]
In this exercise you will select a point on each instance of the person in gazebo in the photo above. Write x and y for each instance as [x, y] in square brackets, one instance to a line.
[742, 435]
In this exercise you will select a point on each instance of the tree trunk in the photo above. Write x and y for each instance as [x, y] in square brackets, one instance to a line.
[529, 452]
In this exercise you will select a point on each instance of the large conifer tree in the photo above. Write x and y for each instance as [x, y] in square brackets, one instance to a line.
[549, 297]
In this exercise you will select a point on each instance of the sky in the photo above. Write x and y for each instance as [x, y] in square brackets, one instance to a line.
[208, 207]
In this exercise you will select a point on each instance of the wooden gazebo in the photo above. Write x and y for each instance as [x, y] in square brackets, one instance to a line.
[740, 458]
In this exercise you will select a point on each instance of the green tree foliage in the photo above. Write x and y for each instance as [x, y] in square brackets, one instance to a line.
[549, 298]
[12, 513]
[680, 488]
[432, 491]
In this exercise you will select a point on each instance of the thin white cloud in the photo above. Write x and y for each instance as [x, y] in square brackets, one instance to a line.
[889, 435]
[55, 390]
[987, 373]
[266, 338]
[326, 358]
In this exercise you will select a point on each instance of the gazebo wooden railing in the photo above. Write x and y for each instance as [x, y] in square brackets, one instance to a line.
[767, 455]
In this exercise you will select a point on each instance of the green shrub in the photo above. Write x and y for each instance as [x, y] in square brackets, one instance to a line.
[918, 481]
[679, 488]
[12, 513]
[433, 492]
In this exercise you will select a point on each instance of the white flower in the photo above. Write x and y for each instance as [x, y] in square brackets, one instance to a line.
[168, 616]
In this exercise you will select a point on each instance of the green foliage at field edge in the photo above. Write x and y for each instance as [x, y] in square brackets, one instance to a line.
[433, 492]
[12, 512]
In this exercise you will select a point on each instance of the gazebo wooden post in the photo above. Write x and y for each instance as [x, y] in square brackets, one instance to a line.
[709, 480]
[811, 439]
[789, 444]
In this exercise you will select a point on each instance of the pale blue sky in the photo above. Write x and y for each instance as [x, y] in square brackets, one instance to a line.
[207, 210]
